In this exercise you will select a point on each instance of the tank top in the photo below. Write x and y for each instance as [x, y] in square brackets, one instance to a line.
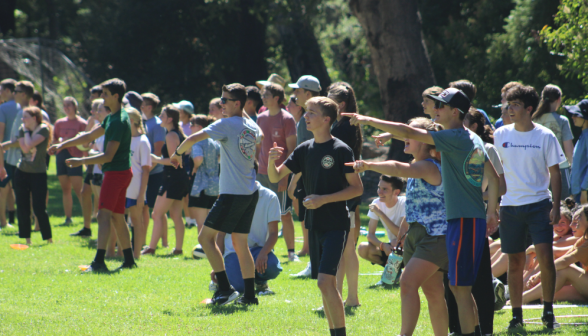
[171, 170]
[425, 204]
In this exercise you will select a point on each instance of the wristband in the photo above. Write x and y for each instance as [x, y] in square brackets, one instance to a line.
[176, 152]
[382, 247]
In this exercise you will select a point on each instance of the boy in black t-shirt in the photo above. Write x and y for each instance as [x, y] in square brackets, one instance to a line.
[328, 183]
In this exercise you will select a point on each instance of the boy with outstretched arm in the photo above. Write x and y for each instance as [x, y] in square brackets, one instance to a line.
[328, 183]
[464, 163]
[233, 211]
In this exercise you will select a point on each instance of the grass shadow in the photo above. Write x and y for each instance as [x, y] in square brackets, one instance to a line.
[167, 256]
[378, 286]
[522, 332]
[89, 243]
[226, 310]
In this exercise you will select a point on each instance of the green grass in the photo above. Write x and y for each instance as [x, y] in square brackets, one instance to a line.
[43, 292]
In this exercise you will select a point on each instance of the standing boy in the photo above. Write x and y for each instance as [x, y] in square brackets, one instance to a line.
[328, 183]
[464, 163]
[530, 156]
[116, 166]
[579, 177]
[233, 211]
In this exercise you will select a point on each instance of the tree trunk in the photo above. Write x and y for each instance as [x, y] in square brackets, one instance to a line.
[399, 57]
[53, 24]
[252, 45]
[300, 46]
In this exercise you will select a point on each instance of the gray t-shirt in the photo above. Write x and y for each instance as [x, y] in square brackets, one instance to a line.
[560, 126]
[238, 137]
[302, 134]
[155, 133]
[8, 112]
[35, 160]
[462, 169]
[267, 210]
[12, 155]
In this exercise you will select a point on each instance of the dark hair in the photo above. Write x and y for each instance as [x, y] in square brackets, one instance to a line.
[276, 90]
[584, 209]
[202, 120]
[485, 132]
[550, 94]
[509, 86]
[254, 95]
[527, 94]
[466, 86]
[395, 181]
[566, 212]
[343, 92]
[115, 86]
[236, 91]
[216, 102]
[151, 99]
[36, 113]
[174, 113]
[570, 202]
[96, 89]
[312, 93]
[27, 87]
[327, 106]
[39, 98]
[9, 84]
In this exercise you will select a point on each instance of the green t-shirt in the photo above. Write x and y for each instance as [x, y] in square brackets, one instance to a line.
[462, 169]
[35, 160]
[117, 127]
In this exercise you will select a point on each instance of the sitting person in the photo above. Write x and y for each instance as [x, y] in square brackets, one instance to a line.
[389, 208]
[262, 239]
[571, 283]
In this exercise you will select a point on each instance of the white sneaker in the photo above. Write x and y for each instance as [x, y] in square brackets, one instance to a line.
[293, 258]
[305, 273]
[212, 286]
[198, 252]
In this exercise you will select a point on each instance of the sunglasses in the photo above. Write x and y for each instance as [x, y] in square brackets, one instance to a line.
[439, 105]
[224, 100]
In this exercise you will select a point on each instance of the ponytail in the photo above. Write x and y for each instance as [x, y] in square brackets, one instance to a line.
[549, 95]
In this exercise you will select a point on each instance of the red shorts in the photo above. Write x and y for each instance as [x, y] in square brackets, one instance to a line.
[113, 195]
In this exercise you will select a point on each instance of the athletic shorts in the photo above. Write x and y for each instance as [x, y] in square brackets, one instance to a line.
[89, 174]
[113, 195]
[232, 213]
[517, 221]
[285, 201]
[202, 201]
[326, 250]
[10, 170]
[97, 179]
[301, 209]
[465, 241]
[419, 244]
[131, 202]
[153, 185]
[177, 186]
[63, 169]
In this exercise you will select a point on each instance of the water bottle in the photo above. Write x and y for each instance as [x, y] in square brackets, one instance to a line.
[390, 274]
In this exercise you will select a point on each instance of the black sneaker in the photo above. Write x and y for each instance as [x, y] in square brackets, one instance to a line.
[243, 301]
[515, 324]
[127, 266]
[222, 298]
[549, 321]
[97, 268]
[84, 232]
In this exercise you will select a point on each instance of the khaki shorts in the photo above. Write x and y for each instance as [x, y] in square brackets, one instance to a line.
[419, 244]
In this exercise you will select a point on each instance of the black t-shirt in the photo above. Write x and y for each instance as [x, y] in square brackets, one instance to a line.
[343, 131]
[323, 172]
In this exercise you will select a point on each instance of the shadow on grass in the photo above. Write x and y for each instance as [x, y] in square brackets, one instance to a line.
[349, 311]
[226, 310]
[378, 286]
[89, 243]
[522, 332]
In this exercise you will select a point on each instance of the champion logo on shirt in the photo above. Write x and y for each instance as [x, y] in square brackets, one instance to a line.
[511, 145]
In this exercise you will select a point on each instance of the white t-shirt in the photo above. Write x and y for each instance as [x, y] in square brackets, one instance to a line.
[267, 210]
[99, 146]
[526, 158]
[395, 213]
[140, 157]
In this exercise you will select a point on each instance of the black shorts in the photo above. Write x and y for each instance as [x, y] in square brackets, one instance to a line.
[383, 259]
[202, 201]
[353, 203]
[89, 174]
[63, 169]
[10, 170]
[300, 194]
[177, 186]
[326, 250]
[47, 161]
[232, 213]
[97, 179]
[153, 185]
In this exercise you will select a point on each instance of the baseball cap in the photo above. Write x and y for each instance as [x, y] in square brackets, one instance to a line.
[455, 98]
[579, 110]
[273, 78]
[307, 82]
[185, 105]
[134, 99]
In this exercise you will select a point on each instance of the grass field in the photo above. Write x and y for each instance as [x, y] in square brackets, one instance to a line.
[43, 292]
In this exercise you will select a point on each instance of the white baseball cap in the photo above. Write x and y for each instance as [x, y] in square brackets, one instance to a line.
[307, 82]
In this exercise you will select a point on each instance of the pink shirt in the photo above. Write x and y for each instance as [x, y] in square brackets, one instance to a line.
[275, 129]
[66, 129]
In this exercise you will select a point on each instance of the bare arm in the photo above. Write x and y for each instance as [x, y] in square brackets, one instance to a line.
[354, 189]
[555, 176]
[398, 130]
[371, 236]
[172, 142]
[568, 147]
[80, 139]
[157, 147]
[185, 146]
[293, 184]
[27, 142]
[425, 170]
[274, 173]
[2, 129]
[197, 163]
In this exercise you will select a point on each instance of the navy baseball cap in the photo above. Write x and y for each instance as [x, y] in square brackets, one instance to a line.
[454, 98]
[579, 110]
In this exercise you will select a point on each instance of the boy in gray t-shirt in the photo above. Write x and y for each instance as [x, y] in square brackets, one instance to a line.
[234, 209]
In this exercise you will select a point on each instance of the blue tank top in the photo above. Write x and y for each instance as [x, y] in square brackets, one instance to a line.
[425, 204]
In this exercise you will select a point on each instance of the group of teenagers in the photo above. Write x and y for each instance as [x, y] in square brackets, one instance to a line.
[306, 156]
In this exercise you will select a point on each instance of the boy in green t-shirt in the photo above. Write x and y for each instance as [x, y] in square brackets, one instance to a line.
[116, 165]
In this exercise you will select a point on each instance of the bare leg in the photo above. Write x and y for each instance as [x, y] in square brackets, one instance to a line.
[516, 265]
[333, 303]
[176, 215]
[546, 264]
[467, 310]
[370, 253]
[351, 265]
[207, 238]
[66, 194]
[96, 192]
[138, 227]
[77, 183]
[305, 247]
[199, 214]
[288, 231]
[3, 200]
[434, 292]
[162, 205]
[86, 200]
[500, 266]
[244, 255]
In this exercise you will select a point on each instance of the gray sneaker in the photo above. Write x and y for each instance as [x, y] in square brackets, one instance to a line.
[305, 273]
[263, 289]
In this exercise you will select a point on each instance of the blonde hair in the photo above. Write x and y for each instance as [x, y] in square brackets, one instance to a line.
[136, 119]
[426, 124]
[96, 103]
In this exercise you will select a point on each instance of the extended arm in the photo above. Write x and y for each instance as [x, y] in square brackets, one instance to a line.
[80, 139]
[398, 130]
[186, 145]
[421, 169]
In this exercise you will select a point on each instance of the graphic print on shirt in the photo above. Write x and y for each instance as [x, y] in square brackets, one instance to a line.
[473, 166]
[327, 161]
[247, 141]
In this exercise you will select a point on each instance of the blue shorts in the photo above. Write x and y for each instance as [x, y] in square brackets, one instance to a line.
[132, 202]
[516, 222]
[465, 241]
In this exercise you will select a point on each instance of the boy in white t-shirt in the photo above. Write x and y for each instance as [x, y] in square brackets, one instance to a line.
[388, 208]
[531, 156]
